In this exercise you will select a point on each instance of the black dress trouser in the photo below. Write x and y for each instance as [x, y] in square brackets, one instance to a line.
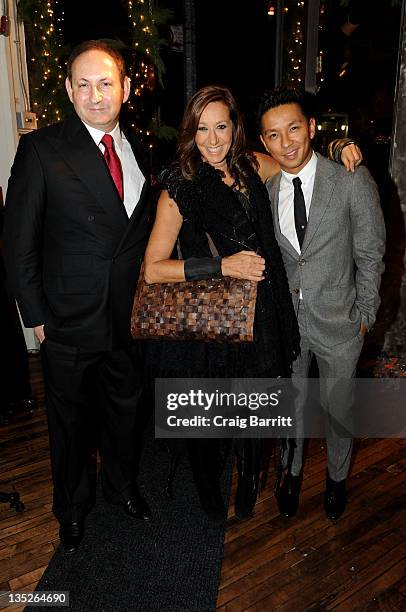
[87, 393]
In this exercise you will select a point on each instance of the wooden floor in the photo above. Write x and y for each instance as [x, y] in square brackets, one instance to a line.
[304, 563]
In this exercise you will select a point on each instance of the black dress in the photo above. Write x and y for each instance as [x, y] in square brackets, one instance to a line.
[235, 221]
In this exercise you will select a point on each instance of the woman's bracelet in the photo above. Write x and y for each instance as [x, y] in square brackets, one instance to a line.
[335, 148]
[200, 268]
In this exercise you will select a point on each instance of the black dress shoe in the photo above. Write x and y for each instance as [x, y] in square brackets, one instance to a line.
[71, 535]
[335, 498]
[288, 495]
[137, 507]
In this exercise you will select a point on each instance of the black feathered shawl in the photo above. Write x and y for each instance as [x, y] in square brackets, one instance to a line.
[235, 221]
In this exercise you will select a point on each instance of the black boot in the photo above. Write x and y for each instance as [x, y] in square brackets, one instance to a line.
[206, 463]
[248, 466]
[335, 499]
[289, 494]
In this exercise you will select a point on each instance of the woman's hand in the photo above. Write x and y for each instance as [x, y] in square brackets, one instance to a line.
[351, 156]
[245, 264]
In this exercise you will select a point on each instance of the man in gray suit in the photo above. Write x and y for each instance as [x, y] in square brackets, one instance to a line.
[330, 229]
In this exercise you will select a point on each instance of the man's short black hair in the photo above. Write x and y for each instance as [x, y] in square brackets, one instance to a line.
[286, 95]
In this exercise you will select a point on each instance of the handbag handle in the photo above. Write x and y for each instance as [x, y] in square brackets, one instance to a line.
[212, 247]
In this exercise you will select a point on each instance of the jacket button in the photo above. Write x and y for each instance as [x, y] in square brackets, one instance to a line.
[302, 262]
[90, 218]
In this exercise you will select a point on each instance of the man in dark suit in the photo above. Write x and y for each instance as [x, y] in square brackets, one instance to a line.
[75, 233]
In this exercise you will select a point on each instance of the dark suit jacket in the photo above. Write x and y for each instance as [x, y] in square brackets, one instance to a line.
[72, 254]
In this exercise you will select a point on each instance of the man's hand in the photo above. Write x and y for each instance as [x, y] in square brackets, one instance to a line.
[351, 157]
[363, 329]
[245, 264]
[39, 333]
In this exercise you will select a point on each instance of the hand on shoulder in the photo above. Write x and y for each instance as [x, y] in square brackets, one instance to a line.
[268, 167]
[351, 156]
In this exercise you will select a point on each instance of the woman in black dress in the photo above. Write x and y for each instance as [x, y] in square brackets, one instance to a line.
[214, 193]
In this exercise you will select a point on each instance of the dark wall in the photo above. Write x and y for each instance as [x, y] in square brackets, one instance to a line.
[88, 19]
[235, 47]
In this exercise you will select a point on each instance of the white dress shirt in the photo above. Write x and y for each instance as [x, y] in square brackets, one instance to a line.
[286, 211]
[133, 179]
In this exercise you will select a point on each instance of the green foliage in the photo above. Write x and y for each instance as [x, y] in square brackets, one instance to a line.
[44, 50]
[145, 38]
[160, 130]
[26, 10]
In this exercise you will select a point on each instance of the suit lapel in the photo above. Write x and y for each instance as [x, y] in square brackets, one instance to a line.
[324, 182]
[138, 152]
[140, 212]
[274, 197]
[80, 152]
[144, 200]
[140, 158]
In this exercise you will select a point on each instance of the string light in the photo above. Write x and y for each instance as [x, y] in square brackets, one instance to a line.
[144, 36]
[295, 68]
[47, 74]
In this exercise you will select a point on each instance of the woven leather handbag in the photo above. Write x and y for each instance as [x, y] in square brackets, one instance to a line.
[214, 310]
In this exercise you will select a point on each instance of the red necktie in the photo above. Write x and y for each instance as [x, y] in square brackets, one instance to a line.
[113, 163]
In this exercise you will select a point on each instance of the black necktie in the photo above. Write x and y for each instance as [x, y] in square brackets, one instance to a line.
[300, 210]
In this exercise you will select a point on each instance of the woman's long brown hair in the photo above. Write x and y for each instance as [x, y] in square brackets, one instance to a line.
[189, 155]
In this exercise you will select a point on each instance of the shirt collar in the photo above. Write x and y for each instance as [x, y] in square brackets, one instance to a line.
[97, 135]
[306, 173]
